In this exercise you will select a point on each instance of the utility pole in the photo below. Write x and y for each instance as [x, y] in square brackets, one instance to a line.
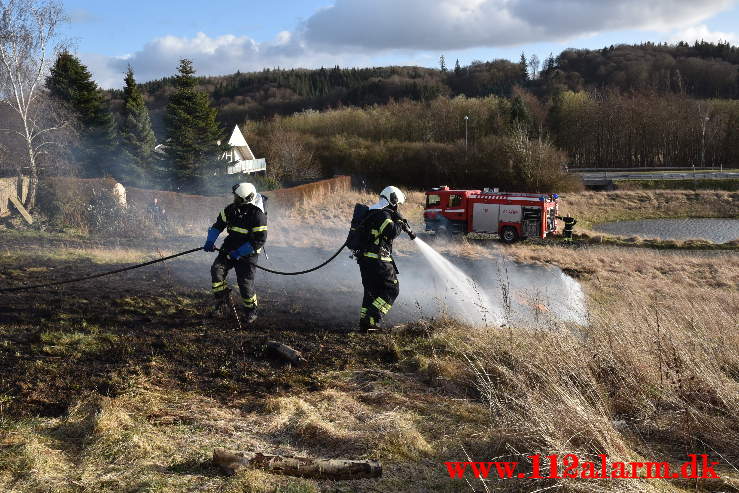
[704, 120]
[465, 132]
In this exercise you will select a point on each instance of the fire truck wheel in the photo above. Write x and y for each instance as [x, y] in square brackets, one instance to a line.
[508, 235]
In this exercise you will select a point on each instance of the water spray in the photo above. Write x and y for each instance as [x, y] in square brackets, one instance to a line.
[463, 298]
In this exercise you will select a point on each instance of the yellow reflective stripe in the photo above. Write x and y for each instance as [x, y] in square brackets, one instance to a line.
[384, 225]
[223, 216]
[238, 230]
[216, 284]
[374, 255]
[220, 288]
[374, 233]
[382, 305]
[259, 228]
[250, 302]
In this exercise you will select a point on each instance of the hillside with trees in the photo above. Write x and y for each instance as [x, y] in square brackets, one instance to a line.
[519, 125]
[700, 70]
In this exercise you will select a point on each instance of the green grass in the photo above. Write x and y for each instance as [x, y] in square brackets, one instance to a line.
[76, 344]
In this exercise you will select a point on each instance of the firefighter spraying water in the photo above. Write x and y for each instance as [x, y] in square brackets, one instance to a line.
[371, 236]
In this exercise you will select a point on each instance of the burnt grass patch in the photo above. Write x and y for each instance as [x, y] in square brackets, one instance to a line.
[100, 335]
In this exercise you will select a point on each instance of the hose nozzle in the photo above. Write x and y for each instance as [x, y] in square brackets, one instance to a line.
[406, 227]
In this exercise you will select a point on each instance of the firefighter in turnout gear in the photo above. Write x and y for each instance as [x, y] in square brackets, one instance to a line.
[246, 222]
[569, 225]
[381, 225]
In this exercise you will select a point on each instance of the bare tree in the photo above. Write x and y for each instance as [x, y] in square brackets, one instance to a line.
[534, 66]
[289, 156]
[28, 33]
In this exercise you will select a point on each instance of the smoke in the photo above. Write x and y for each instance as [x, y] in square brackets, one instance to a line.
[485, 291]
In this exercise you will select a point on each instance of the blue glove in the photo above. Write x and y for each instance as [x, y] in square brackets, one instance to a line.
[210, 242]
[243, 250]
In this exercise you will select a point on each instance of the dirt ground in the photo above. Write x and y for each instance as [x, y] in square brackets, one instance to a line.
[155, 313]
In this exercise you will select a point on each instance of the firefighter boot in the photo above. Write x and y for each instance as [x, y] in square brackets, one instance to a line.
[219, 303]
[368, 324]
[250, 316]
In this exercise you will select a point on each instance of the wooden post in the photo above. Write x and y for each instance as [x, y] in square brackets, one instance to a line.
[232, 461]
[290, 354]
[17, 203]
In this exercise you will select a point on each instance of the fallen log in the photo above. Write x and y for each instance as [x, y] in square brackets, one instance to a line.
[290, 354]
[231, 462]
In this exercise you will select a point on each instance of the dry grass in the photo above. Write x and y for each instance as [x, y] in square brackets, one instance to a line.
[97, 255]
[654, 376]
[595, 207]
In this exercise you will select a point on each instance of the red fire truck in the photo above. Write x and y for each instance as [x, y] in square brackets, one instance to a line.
[512, 216]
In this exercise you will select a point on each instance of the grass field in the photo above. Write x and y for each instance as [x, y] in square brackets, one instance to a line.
[126, 384]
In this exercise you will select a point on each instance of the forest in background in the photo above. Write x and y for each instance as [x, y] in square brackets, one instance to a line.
[646, 105]
[701, 70]
[500, 123]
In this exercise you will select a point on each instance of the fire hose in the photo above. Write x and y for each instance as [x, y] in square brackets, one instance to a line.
[137, 266]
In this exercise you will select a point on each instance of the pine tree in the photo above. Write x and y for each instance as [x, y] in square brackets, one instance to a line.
[137, 137]
[550, 63]
[520, 117]
[457, 67]
[523, 68]
[192, 130]
[71, 83]
[442, 63]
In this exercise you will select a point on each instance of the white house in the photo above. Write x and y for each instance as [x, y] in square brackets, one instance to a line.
[239, 157]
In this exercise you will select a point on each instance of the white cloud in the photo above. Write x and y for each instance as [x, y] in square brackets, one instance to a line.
[210, 56]
[460, 24]
[356, 32]
[702, 32]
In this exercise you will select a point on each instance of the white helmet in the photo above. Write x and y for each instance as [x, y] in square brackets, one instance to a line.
[245, 191]
[393, 195]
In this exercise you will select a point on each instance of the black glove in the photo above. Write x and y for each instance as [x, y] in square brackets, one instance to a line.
[403, 222]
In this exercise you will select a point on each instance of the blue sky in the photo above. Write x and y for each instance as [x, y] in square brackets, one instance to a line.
[245, 35]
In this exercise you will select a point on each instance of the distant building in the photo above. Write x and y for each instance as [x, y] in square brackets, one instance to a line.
[239, 157]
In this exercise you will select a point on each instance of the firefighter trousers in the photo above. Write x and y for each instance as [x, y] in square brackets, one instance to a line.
[245, 268]
[380, 289]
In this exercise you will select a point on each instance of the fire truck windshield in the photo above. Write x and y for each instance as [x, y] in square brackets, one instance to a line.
[433, 201]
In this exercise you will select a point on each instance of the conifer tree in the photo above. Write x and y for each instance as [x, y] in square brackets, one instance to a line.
[193, 132]
[523, 67]
[442, 63]
[71, 83]
[137, 137]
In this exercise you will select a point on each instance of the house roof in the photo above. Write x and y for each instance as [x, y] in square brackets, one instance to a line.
[238, 141]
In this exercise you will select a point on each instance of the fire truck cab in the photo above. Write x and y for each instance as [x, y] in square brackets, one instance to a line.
[512, 216]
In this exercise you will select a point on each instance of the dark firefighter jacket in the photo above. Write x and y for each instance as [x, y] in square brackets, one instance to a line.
[245, 222]
[381, 231]
[569, 221]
